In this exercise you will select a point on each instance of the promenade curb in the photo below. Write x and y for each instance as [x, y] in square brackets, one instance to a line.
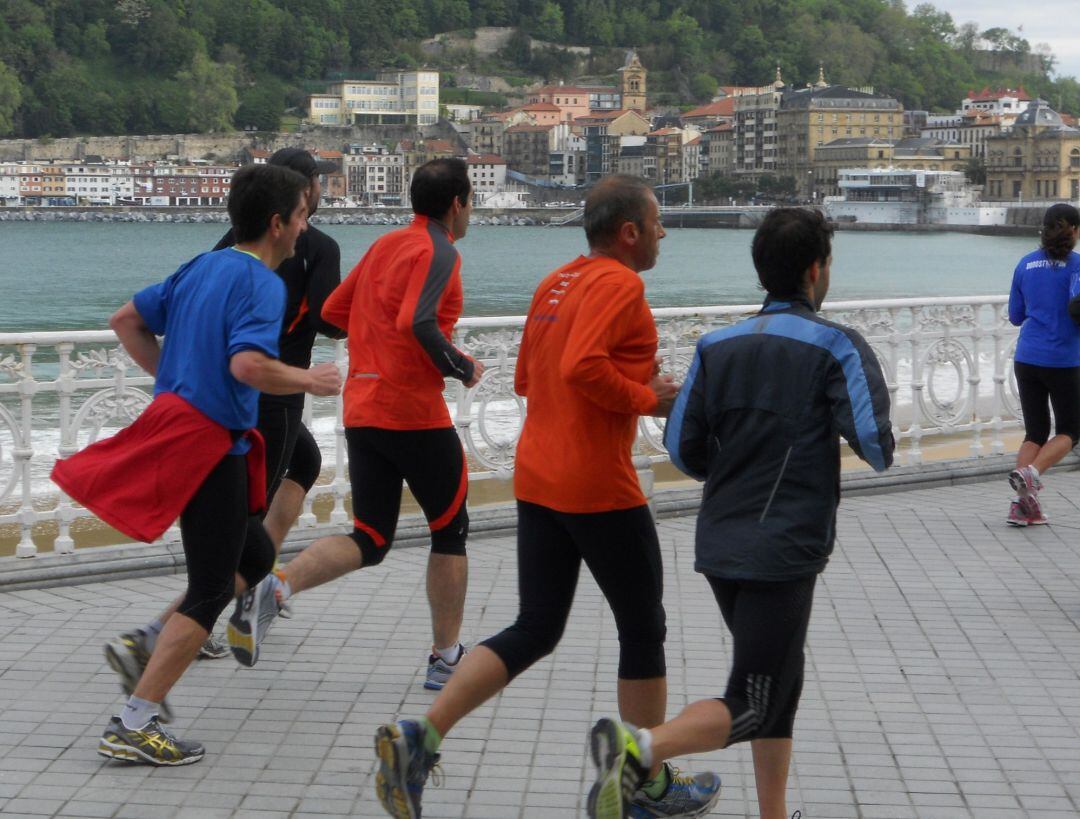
[133, 560]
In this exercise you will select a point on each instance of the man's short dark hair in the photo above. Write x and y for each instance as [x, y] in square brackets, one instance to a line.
[436, 184]
[788, 241]
[257, 193]
[613, 201]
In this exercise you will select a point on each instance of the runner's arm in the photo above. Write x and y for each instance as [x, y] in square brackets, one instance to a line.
[337, 306]
[418, 316]
[586, 361]
[1017, 308]
[136, 337]
[256, 369]
[324, 276]
[686, 435]
[856, 389]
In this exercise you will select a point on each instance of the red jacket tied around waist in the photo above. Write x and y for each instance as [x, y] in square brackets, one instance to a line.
[139, 480]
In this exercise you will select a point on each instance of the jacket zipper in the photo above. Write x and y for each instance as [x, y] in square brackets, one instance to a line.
[776, 486]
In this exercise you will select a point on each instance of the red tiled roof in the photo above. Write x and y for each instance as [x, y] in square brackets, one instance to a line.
[560, 89]
[485, 159]
[720, 108]
[664, 132]
[438, 145]
[986, 95]
[540, 106]
[695, 141]
[724, 126]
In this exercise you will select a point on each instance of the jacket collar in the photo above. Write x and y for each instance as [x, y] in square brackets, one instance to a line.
[774, 305]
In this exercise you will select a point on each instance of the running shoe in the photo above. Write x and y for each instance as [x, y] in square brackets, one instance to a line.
[687, 796]
[404, 765]
[620, 769]
[128, 655]
[1018, 516]
[1024, 482]
[439, 671]
[255, 611]
[1033, 509]
[150, 744]
[213, 649]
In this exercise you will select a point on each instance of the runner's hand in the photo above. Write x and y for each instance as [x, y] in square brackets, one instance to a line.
[666, 389]
[325, 379]
[478, 370]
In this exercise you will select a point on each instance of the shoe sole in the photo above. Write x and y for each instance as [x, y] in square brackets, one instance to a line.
[1019, 485]
[129, 679]
[389, 781]
[1019, 524]
[606, 799]
[126, 753]
[240, 634]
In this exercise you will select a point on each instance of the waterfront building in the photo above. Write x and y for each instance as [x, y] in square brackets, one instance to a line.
[602, 130]
[567, 161]
[898, 196]
[458, 112]
[487, 173]
[42, 184]
[374, 175]
[755, 129]
[718, 150]
[1039, 159]
[528, 148]
[809, 118]
[97, 183]
[866, 152]
[181, 185]
[10, 183]
[392, 98]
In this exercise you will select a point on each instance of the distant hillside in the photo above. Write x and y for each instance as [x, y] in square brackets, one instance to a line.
[139, 66]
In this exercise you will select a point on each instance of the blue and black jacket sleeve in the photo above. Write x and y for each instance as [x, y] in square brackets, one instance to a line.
[859, 399]
[686, 435]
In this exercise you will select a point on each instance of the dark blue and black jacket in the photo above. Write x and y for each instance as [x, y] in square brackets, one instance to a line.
[758, 420]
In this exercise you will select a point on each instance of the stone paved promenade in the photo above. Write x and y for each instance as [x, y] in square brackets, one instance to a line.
[942, 681]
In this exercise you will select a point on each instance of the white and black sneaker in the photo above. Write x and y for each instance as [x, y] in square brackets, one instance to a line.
[255, 611]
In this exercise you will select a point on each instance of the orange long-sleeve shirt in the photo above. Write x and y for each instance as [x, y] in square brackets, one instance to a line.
[585, 361]
[399, 305]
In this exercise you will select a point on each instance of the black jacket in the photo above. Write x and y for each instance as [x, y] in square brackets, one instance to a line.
[758, 420]
[310, 276]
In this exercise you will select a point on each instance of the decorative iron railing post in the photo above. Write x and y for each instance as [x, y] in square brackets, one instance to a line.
[24, 451]
[917, 385]
[339, 514]
[974, 379]
[892, 373]
[65, 384]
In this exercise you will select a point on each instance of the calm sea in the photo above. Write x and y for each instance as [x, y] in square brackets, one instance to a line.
[69, 275]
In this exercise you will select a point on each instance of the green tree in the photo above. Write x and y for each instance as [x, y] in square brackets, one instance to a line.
[548, 22]
[10, 99]
[261, 107]
[703, 86]
[211, 94]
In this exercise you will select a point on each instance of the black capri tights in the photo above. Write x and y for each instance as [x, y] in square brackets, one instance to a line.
[221, 540]
[1043, 387]
[622, 552]
[291, 451]
[768, 623]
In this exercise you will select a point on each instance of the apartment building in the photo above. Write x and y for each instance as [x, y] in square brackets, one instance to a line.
[392, 98]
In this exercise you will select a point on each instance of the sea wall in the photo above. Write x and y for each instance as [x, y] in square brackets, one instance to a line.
[215, 147]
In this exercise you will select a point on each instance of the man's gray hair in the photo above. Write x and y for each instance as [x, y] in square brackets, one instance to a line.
[612, 201]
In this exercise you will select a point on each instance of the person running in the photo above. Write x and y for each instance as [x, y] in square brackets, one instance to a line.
[758, 420]
[1044, 295]
[399, 304]
[587, 365]
[192, 453]
[293, 460]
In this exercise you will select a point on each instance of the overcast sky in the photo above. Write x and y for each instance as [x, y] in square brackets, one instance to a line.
[1055, 22]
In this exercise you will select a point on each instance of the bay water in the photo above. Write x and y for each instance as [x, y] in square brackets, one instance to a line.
[73, 275]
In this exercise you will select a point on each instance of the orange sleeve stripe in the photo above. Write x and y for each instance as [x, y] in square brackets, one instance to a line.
[303, 311]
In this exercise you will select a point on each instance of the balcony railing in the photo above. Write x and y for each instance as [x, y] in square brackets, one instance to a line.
[947, 362]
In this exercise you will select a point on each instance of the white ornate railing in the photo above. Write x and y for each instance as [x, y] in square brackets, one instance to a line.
[948, 363]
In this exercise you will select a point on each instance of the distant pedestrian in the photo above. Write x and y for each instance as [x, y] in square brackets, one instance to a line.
[759, 420]
[1045, 303]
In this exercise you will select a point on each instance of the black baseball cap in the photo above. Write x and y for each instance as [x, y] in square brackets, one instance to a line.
[302, 162]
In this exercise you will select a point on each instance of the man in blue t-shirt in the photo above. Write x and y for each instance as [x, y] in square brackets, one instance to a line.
[221, 316]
